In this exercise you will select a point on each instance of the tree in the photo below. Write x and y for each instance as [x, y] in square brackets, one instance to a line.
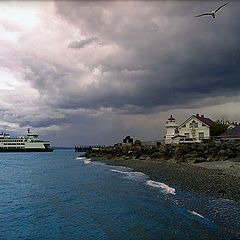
[219, 127]
[138, 142]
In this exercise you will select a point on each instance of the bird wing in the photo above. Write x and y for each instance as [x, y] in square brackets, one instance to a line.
[221, 7]
[203, 14]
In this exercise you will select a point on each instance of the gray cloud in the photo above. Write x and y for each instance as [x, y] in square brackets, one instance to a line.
[168, 57]
[83, 43]
[155, 58]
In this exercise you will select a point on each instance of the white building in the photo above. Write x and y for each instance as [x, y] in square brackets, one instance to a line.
[195, 127]
[171, 127]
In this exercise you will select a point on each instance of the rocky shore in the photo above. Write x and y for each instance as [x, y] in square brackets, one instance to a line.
[199, 168]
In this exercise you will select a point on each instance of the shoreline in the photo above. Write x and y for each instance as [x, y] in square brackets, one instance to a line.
[210, 180]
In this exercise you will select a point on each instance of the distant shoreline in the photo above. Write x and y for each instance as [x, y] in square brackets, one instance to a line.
[194, 178]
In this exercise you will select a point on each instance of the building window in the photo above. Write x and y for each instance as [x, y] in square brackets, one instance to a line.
[203, 125]
[184, 125]
[193, 124]
[186, 134]
[201, 135]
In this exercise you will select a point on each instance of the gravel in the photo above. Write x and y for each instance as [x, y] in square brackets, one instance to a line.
[206, 179]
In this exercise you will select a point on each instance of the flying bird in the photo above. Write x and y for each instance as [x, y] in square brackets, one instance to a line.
[212, 13]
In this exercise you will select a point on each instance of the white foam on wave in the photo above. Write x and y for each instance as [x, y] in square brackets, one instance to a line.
[87, 161]
[164, 187]
[84, 159]
[196, 214]
[117, 171]
[99, 163]
[80, 158]
[123, 168]
[138, 176]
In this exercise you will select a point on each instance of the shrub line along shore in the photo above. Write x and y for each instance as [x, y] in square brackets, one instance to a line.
[207, 168]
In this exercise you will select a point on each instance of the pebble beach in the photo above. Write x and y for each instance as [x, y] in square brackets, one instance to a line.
[219, 179]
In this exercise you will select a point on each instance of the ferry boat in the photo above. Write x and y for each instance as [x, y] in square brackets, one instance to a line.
[28, 143]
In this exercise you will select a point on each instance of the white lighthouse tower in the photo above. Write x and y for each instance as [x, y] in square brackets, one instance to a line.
[171, 127]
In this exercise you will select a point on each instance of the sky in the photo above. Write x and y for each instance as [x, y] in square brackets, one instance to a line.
[80, 72]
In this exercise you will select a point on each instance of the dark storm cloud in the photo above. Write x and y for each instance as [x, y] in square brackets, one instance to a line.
[153, 57]
[168, 57]
[42, 122]
[53, 81]
[82, 43]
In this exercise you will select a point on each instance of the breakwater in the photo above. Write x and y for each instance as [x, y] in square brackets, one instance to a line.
[181, 153]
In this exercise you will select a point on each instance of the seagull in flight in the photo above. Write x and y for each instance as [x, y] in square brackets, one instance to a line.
[212, 13]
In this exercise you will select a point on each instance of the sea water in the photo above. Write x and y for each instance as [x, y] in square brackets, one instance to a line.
[61, 196]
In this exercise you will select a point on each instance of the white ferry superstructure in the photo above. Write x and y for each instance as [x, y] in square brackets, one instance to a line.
[28, 143]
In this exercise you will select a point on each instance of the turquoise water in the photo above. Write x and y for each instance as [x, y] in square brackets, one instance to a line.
[55, 196]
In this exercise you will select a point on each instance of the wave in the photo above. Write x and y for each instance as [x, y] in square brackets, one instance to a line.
[195, 213]
[138, 176]
[79, 158]
[99, 163]
[117, 171]
[87, 161]
[164, 187]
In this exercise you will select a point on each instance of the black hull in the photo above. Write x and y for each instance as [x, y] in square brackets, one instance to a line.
[26, 150]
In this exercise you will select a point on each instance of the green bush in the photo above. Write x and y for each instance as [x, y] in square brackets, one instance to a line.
[219, 127]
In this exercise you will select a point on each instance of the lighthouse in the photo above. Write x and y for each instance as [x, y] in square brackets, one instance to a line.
[171, 127]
